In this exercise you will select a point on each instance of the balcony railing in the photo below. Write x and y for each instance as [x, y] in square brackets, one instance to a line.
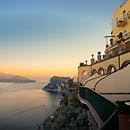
[107, 111]
[128, 14]
[122, 22]
[112, 47]
[127, 36]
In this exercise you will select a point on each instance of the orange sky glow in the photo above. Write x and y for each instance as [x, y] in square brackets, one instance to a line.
[42, 38]
[40, 73]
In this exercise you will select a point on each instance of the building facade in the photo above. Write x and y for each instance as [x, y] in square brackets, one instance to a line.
[117, 52]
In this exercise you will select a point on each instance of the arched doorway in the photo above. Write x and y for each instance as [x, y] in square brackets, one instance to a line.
[125, 63]
[94, 71]
[101, 71]
[111, 69]
[84, 74]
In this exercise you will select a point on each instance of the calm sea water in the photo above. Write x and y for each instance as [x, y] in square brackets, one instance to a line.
[24, 105]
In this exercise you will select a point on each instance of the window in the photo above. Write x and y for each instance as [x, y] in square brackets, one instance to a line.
[125, 34]
[125, 15]
[84, 74]
[117, 22]
[101, 71]
[94, 71]
[111, 69]
[128, 14]
[125, 63]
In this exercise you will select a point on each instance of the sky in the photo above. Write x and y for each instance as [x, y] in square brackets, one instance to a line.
[43, 38]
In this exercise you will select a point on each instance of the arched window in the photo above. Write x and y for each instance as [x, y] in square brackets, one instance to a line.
[111, 69]
[101, 71]
[125, 34]
[94, 71]
[117, 22]
[84, 74]
[125, 63]
[120, 35]
[125, 15]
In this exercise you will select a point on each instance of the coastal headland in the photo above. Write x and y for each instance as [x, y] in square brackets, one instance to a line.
[14, 78]
[71, 113]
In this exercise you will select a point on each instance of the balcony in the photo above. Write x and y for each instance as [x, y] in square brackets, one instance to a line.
[104, 111]
[128, 14]
[126, 36]
[122, 22]
[112, 47]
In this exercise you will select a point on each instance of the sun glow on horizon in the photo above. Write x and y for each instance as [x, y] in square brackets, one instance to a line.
[40, 73]
[46, 38]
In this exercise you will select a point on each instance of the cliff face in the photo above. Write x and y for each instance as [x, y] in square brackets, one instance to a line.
[57, 83]
[70, 117]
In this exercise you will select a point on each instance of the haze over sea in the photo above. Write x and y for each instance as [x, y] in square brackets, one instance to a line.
[23, 105]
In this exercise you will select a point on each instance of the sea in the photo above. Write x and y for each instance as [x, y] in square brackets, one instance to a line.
[25, 105]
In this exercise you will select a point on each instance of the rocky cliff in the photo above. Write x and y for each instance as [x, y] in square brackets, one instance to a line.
[57, 83]
[70, 117]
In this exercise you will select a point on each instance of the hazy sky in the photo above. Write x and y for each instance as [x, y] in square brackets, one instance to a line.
[42, 38]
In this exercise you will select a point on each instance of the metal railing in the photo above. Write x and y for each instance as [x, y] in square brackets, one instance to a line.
[126, 36]
[107, 111]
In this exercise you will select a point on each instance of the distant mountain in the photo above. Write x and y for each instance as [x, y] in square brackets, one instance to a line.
[14, 78]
